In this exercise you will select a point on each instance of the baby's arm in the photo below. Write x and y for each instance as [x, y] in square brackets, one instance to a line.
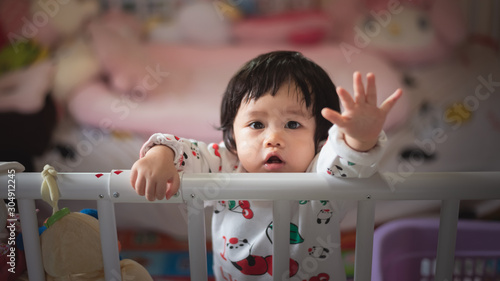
[362, 120]
[155, 174]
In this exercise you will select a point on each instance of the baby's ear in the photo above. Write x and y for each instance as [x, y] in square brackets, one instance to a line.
[231, 145]
[233, 149]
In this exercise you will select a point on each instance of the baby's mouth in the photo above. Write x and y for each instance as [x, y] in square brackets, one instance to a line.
[274, 160]
[274, 163]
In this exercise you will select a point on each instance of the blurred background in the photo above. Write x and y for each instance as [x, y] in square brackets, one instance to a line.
[103, 75]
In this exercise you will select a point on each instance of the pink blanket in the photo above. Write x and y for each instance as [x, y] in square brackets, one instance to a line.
[197, 78]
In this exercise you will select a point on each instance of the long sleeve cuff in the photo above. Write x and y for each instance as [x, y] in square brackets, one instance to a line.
[163, 139]
[367, 158]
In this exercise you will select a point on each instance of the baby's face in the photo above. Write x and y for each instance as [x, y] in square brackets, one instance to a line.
[275, 134]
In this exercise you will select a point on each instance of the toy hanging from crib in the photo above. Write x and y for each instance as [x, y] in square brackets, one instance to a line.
[71, 244]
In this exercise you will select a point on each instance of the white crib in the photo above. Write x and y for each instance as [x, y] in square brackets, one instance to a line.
[114, 187]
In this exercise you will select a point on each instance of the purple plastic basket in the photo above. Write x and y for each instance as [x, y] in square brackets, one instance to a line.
[406, 250]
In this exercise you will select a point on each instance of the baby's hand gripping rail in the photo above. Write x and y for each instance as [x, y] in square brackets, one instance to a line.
[114, 187]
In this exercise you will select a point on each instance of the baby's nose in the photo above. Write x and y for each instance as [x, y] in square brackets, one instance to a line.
[274, 139]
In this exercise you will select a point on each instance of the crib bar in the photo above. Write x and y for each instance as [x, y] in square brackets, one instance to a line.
[445, 259]
[387, 186]
[31, 239]
[417, 186]
[365, 225]
[197, 239]
[109, 239]
[281, 247]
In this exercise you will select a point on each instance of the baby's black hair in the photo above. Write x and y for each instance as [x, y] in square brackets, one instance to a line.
[266, 74]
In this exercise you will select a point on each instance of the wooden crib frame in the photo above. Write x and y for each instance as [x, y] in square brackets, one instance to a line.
[114, 187]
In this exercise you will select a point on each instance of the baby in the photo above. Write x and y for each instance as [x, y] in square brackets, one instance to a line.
[276, 116]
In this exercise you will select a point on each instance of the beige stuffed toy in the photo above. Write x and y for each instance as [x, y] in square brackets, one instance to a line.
[71, 250]
[71, 244]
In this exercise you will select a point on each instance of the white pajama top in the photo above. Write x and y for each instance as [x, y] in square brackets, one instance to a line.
[242, 230]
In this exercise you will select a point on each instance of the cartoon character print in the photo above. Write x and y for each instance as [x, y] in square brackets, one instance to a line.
[182, 159]
[243, 207]
[239, 253]
[318, 252]
[194, 151]
[175, 137]
[320, 277]
[304, 202]
[295, 237]
[336, 169]
[324, 215]
[220, 206]
[217, 153]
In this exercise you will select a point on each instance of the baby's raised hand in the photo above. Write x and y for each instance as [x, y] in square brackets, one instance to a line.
[361, 120]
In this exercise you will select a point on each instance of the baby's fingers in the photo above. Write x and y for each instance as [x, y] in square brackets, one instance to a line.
[133, 178]
[172, 186]
[332, 116]
[371, 89]
[387, 105]
[152, 189]
[345, 98]
[160, 190]
[359, 88]
[139, 184]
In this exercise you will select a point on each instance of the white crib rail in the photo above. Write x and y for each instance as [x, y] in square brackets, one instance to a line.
[114, 187]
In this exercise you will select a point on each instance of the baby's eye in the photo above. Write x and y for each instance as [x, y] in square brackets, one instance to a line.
[292, 125]
[256, 125]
